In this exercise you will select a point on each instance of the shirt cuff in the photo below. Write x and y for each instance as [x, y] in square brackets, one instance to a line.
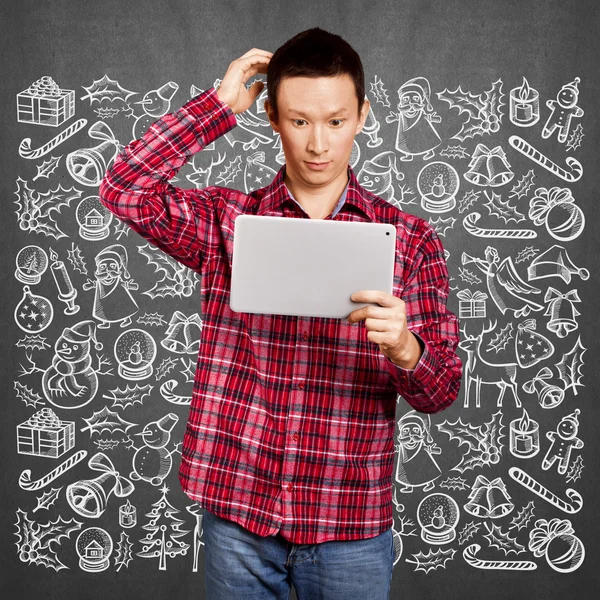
[421, 376]
[208, 104]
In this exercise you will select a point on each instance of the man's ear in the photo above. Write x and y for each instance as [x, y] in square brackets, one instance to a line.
[363, 115]
[269, 111]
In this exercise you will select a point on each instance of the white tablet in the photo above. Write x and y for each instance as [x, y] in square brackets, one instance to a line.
[308, 267]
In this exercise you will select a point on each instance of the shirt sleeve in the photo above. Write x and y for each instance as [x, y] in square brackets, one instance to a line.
[136, 187]
[434, 383]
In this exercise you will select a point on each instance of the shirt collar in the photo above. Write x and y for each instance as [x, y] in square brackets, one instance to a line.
[277, 192]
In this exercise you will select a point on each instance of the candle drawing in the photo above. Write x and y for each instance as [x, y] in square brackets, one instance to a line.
[524, 437]
[66, 292]
[524, 106]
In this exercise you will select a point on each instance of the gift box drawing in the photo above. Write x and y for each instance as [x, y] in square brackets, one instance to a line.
[471, 305]
[44, 103]
[44, 434]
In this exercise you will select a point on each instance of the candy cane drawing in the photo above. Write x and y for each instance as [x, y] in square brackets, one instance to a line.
[518, 143]
[507, 565]
[25, 478]
[537, 488]
[25, 150]
[469, 223]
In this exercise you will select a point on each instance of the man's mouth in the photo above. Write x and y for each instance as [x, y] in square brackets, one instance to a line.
[317, 165]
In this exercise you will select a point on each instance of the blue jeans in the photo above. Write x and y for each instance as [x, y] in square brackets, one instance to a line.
[239, 565]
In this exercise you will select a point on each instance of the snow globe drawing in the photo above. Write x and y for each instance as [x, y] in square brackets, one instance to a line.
[135, 351]
[438, 516]
[438, 184]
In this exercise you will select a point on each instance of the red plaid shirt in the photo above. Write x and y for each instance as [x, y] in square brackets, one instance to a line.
[292, 419]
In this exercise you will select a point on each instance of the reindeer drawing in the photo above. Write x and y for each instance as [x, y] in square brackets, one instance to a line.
[201, 176]
[501, 375]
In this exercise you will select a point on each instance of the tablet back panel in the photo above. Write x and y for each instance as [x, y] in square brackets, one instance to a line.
[308, 267]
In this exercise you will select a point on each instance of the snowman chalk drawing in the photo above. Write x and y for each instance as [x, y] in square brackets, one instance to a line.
[71, 381]
[152, 462]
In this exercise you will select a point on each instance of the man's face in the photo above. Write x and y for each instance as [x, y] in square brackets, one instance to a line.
[318, 119]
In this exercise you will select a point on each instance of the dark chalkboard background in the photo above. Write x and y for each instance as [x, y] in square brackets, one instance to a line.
[466, 43]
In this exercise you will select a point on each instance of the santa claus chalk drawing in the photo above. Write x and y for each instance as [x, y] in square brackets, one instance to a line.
[113, 301]
[416, 465]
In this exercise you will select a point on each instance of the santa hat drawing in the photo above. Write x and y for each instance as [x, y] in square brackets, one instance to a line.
[413, 418]
[115, 252]
[555, 262]
[82, 332]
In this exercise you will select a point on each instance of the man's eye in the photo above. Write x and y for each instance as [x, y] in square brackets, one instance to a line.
[340, 121]
[296, 120]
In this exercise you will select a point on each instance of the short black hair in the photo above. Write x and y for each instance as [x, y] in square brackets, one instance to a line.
[314, 53]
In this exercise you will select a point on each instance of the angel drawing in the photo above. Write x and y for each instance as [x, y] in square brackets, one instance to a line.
[504, 284]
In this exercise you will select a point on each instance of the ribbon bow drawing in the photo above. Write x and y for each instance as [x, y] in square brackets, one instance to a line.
[89, 497]
[549, 395]
[545, 531]
[100, 462]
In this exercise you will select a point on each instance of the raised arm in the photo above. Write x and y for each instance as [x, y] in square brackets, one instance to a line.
[136, 187]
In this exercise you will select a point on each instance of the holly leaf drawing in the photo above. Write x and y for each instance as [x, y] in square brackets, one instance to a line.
[165, 367]
[525, 254]
[501, 339]
[123, 557]
[575, 469]
[26, 394]
[151, 319]
[76, 259]
[33, 342]
[483, 110]
[34, 539]
[575, 139]
[106, 444]
[467, 200]
[229, 173]
[467, 532]
[483, 441]
[47, 167]
[178, 280]
[159, 260]
[493, 431]
[493, 101]
[47, 499]
[434, 559]
[129, 396]
[523, 185]
[454, 483]
[523, 516]
[106, 89]
[37, 211]
[106, 420]
[468, 276]
[501, 209]
[465, 101]
[442, 225]
[379, 92]
[498, 539]
[464, 433]
[569, 367]
[454, 152]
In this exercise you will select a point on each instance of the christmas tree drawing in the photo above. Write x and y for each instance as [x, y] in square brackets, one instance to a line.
[163, 535]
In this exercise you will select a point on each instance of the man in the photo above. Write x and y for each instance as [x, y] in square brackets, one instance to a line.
[289, 442]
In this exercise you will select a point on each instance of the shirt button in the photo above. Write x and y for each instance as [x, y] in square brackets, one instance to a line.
[301, 385]
[305, 336]
[290, 487]
[295, 437]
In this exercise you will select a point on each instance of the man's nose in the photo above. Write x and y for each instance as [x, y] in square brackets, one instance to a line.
[318, 142]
